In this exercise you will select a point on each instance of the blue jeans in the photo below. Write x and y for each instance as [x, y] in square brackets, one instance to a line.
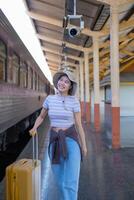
[67, 172]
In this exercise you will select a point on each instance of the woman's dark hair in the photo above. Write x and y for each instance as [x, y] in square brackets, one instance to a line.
[71, 87]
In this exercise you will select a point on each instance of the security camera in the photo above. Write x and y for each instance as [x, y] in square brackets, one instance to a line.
[73, 31]
[70, 20]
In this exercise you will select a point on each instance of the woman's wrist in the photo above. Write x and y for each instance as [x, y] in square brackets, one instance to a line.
[35, 128]
[83, 142]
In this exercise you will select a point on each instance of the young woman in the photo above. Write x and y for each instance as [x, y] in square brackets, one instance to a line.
[67, 139]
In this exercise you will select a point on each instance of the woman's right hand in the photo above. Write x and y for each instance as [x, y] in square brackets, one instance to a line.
[33, 131]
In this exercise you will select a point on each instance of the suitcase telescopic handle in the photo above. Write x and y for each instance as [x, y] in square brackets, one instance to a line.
[35, 147]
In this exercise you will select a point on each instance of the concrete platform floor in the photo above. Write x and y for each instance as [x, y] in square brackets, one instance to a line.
[106, 174]
[127, 131]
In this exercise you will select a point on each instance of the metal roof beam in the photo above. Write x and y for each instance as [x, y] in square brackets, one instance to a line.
[45, 19]
[61, 54]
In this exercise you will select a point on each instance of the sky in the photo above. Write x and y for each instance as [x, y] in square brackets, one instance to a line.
[15, 11]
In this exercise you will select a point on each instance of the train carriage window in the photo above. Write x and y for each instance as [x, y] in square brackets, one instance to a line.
[47, 89]
[3, 59]
[23, 74]
[38, 83]
[35, 81]
[30, 78]
[42, 86]
[16, 65]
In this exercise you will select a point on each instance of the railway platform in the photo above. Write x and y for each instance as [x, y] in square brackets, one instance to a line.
[106, 174]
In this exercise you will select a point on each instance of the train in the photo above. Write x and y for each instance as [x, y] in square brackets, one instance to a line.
[23, 86]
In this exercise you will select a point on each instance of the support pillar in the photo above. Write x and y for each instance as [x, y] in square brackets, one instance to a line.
[115, 82]
[78, 82]
[87, 87]
[81, 88]
[97, 123]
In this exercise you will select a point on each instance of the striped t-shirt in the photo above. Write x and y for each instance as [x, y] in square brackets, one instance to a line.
[61, 110]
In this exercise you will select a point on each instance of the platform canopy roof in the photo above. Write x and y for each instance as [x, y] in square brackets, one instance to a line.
[60, 49]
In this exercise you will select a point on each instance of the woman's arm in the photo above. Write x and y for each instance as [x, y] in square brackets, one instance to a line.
[38, 121]
[77, 116]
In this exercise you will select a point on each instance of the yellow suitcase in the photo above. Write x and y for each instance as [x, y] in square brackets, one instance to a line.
[23, 179]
